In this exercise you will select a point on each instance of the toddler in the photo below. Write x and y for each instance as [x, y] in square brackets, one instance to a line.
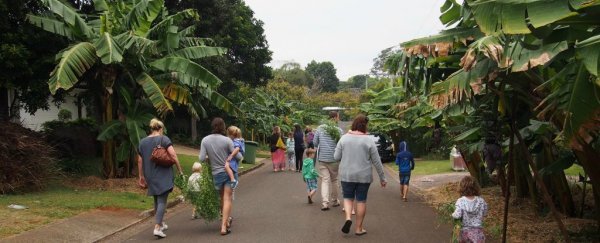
[290, 152]
[194, 184]
[470, 208]
[231, 164]
[310, 174]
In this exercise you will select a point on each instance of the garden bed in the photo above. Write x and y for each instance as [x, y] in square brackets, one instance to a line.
[524, 225]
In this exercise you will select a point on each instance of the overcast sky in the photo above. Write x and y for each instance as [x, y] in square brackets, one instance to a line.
[349, 33]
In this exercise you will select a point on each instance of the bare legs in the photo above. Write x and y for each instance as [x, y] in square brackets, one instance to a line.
[225, 208]
[361, 211]
[403, 191]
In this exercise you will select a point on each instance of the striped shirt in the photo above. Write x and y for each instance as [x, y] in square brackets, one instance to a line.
[325, 145]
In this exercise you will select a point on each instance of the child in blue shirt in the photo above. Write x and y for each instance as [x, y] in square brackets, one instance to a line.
[231, 164]
[406, 164]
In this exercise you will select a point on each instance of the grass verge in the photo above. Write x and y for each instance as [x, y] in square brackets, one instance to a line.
[58, 202]
[431, 167]
[73, 195]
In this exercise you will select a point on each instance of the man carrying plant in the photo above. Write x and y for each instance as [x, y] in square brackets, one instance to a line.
[325, 140]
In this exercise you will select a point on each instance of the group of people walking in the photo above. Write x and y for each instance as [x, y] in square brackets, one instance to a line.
[330, 156]
[223, 152]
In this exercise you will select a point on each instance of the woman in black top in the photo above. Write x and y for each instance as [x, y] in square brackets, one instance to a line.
[298, 146]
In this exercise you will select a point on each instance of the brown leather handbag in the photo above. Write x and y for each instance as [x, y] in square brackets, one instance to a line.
[160, 155]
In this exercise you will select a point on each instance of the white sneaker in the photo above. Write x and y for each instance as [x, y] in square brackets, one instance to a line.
[159, 234]
[164, 226]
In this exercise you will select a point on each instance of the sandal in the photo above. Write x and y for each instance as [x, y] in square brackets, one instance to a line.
[229, 222]
[346, 227]
[361, 233]
[405, 199]
[227, 231]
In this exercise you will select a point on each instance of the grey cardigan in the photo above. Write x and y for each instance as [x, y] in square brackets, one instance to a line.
[357, 154]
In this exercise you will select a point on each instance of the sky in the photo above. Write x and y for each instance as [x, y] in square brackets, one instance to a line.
[348, 33]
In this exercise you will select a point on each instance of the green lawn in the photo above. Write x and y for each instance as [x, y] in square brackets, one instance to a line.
[430, 167]
[187, 161]
[427, 167]
[574, 170]
[59, 202]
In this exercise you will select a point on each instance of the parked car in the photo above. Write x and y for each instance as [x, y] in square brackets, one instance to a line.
[385, 147]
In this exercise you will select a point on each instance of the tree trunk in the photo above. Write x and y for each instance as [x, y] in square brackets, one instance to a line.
[4, 108]
[557, 181]
[473, 164]
[194, 129]
[588, 158]
[544, 189]
[108, 151]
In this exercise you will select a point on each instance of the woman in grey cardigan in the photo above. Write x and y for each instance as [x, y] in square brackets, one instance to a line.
[358, 153]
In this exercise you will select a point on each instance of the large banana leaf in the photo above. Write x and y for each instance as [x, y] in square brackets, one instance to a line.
[74, 61]
[135, 130]
[450, 12]
[220, 101]
[110, 130]
[108, 49]
[51, 25]
[582, 107]
[70, 16]
[452, 35]
[589, 52]
[141, 16]
[123, 151]
[100, 5]
[189, 72]
[513, 16]
[525, 59]
[197, 52]
[141, 44]
[161, 27]
[154, 93]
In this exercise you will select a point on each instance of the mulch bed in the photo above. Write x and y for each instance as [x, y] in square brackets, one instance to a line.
[524, 225]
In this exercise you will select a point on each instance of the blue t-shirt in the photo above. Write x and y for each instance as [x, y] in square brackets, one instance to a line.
[237, 143]
[405, 161]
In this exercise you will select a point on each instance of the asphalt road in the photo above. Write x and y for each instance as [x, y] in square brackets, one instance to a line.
[272, 207]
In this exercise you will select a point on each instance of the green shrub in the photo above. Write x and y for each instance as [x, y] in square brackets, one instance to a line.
[64, 115]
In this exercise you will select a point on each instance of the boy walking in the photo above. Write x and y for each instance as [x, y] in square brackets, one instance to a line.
[310, 174]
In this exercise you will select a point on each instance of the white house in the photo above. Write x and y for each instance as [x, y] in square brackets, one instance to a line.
[36, 120]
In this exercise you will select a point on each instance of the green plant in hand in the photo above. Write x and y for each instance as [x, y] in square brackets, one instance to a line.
[206, 201]
[332, 130]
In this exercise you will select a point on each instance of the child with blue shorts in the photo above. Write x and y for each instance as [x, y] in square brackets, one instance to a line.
[310, 174]
[406, 163]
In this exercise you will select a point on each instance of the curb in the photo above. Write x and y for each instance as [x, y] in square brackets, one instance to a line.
[150, 212]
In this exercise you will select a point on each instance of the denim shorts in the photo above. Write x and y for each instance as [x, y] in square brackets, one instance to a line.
[311, 184]
[404, 178]
[222, 180]
[355, 190]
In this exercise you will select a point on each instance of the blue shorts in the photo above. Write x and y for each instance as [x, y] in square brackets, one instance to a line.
[311, 184]
[355, 190]
[222, 180]
[404, 178]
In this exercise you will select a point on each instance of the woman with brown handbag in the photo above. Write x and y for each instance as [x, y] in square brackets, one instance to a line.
[155, 169]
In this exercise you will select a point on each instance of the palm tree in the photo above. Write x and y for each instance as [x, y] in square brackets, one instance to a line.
[135, 44]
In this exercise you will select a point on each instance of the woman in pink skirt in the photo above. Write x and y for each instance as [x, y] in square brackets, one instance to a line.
[277, 153]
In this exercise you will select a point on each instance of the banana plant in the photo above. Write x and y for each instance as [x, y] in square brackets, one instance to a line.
[132, 41]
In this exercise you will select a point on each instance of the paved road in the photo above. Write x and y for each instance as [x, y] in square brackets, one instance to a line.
[272, 207]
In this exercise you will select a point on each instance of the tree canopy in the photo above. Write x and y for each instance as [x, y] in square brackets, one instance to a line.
[326, 79]
[231, 24]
